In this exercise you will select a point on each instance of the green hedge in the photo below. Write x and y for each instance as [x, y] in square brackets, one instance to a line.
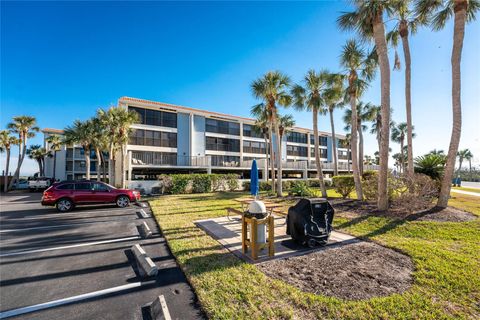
[198, 183]
[343, 184]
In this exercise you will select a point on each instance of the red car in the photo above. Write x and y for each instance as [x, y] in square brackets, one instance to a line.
[67, 194]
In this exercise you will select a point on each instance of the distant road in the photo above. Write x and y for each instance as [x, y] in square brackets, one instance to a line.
[471, 184]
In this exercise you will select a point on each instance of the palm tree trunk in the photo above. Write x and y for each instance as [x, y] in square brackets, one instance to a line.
[266, 158]
[470, 169]
[318, 163]
[353, 147]
[21, 154]
[87, 163]
[99, 163]
[334, 145]
[458, 35]
[382, 52]
[360, 150]
[402, 159]
[5, 178]
[124, 174]
[111, 171]
[408, 96]
[279, 159]
[272, 160]
[54, 164]
[460, 160]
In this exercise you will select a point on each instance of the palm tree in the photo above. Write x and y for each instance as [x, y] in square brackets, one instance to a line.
[363, 115]
[437, 12]
[25, 127]
[464, 154]
[99, 142]
[125, 120]
[81, 133]
[38, 153]
[332, 97]
[431, 164]
[260, 112]
[406, 23]
[469, 156]
[272, 89]
[55, 143]
[399, 133]
[285, 122]
[6, 143]
[367, 20]
[309, 97]
[437, 152]
[359, 69]
[345, 143]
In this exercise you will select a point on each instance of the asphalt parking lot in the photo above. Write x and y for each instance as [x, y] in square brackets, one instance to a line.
[78, 265]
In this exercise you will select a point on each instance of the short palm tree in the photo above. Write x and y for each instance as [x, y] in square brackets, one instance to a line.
[309, 96]
[6, 143]
[25, 127]
[437, 13]
[272, 89]
[399, 133]
[55, 143]
[38, 153]
[359, 68]
[464, 154]
[285, 122]
[260, 112]
[345, 143]
[81, 133]
[367, 21]
[406, 23]
[333, 98]
[431, 164]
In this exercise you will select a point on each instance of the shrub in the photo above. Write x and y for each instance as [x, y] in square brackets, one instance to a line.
[217, 181]
[343, 184]
[432, 165]
[301, 189]
[166, 183]
[265, 186]
[369, 173]
[201, 183]
[232, 181]
[180, 183]
[415, 192]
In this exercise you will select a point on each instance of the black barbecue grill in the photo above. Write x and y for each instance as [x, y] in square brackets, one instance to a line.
[309, 222]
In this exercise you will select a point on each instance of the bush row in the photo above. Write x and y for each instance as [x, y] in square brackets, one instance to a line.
[286, 185]
[197, 183]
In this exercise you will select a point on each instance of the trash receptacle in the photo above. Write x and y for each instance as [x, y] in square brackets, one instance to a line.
[309, 221]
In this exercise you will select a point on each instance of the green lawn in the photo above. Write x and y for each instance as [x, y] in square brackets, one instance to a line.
[476, 190]
[446, 257]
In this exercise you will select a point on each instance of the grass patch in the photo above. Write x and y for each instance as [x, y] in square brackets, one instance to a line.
[446, 258]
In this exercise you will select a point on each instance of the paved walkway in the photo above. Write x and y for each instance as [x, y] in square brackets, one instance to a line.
[229, 234]
[476, 194]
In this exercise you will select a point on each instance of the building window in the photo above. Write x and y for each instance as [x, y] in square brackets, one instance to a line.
[142, 137]
[155, 117]
[69, 166]
[225, 161]
[296, 137]
[322, 140]
[69, 153]
[344, 155]
[252, 131]
[323, 153]
[296, 151]
[154, 158]
[222, 144]
[218, 126]
[254, 147]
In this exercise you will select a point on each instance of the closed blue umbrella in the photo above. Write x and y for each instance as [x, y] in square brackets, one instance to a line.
[254, 179]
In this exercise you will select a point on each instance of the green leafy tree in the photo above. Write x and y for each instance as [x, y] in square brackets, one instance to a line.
[367, 20]
[309, 96]
[437, 13]
[25, 127]
[81, 133]
[38, 153]
[272, 88]
[6, 143]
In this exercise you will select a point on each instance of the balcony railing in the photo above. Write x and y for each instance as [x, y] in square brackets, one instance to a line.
[147, 158]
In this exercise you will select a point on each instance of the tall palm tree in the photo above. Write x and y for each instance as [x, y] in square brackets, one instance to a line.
[332, 97]
[109, 122]
[399, 133]
[359, 70]
[125, 120]
[437, 12]
[81, 133]
[407, 23]
[363, 115]
[6, 143]
[38, 153]
[464, 154]
[345, 143]
[54, 144]
[260, 112]
[285, 122]
[469, 157]
[272, 89]
[25, 127]
[310, 97]
[367, 20]
[99, 142]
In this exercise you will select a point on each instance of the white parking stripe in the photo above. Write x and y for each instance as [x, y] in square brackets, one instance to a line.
[166, 313]
[15, 253]
[51, 304]
[62, 225]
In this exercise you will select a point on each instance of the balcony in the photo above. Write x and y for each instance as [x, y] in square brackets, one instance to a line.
[168, 160]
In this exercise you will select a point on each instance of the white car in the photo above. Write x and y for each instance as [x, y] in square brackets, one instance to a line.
[40, 183]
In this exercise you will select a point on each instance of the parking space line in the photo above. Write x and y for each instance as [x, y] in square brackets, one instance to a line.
[63, 225]
[55, 303]
[15, 253]
[166, 313]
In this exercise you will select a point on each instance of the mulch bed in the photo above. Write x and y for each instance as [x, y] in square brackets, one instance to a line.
[353, 209]
[353, 271]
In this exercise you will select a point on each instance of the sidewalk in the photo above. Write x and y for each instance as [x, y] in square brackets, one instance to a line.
[476, 194]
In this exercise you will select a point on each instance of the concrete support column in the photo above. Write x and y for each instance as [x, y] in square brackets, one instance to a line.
[241, 144]
[129, 166]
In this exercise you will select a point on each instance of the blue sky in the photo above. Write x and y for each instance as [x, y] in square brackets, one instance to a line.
[60, 61]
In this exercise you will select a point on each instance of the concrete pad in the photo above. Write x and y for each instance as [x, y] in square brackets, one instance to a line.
[228, 231]
[159, 309]
[138, 251]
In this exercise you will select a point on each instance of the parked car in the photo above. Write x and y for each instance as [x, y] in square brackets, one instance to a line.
[39, 183]
[21, 184]
[66, 195]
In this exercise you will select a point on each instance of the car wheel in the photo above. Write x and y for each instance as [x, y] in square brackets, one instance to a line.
[64, 205]
[123, 201]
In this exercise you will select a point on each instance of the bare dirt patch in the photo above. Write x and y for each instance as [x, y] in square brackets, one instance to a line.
[352, 209]
[354, 271]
